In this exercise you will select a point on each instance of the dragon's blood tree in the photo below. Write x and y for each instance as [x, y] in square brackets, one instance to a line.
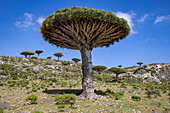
[59, 55]
[99, 68]
[39, 52]
[83, 29]
[76, 60]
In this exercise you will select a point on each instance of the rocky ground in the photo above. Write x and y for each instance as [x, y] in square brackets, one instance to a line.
[47, 79]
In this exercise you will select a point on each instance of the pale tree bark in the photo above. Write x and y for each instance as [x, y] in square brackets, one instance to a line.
[87, 81]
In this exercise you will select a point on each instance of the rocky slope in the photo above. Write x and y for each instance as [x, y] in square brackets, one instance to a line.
[16, 67]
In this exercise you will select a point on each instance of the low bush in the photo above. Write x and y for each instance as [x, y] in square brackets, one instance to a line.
[66, 99]
[61, 106]
[2, 84]
[153, 93]
[1, 110]
[32, 98]
[65, 63]
[169, 94]
[119, 95]
[136, 98]
[34, 89]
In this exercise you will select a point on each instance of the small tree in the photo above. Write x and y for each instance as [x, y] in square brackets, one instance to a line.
[119, 66]
[99, 68]
[59, 55]
[76, 60]
[24, 53]
[39, 52]
[140, 63]
[29, 53]
[117, 71]
[49, 57]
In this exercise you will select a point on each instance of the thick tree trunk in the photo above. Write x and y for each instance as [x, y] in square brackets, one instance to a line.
[87, 81]
[117, 77]
[99, 72]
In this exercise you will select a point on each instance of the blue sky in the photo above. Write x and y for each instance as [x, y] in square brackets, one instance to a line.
[149, 41]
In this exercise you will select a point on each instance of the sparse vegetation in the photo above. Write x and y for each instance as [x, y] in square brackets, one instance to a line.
[22, 77]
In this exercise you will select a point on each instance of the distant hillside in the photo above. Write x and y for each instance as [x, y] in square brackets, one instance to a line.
[15, 68]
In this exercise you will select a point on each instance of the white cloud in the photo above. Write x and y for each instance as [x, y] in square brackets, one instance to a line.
[40, 20]
[28, 16]
[143, 18]
[161, 18]
[129, 17]
[27, 22]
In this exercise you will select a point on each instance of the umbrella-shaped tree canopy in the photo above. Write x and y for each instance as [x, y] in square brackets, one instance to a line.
[78, 27]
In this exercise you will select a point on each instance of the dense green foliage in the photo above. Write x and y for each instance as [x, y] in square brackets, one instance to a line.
[66, 99]
[81, 12]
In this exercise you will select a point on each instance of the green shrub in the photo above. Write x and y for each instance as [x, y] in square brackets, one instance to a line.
[2, 84]
[60, 106]
[164, 91]
[65, 63]
[109, 91]
[118, 95]
[66, 99]
[136, 87]
[136, 98]
[34, 89]
[153, 93]
[37, 112]
[32, 98]
[169, 94]
[1, 110]
[33, 57]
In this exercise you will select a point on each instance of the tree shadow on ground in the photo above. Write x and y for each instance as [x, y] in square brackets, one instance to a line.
[71, 91]
[63, 91]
